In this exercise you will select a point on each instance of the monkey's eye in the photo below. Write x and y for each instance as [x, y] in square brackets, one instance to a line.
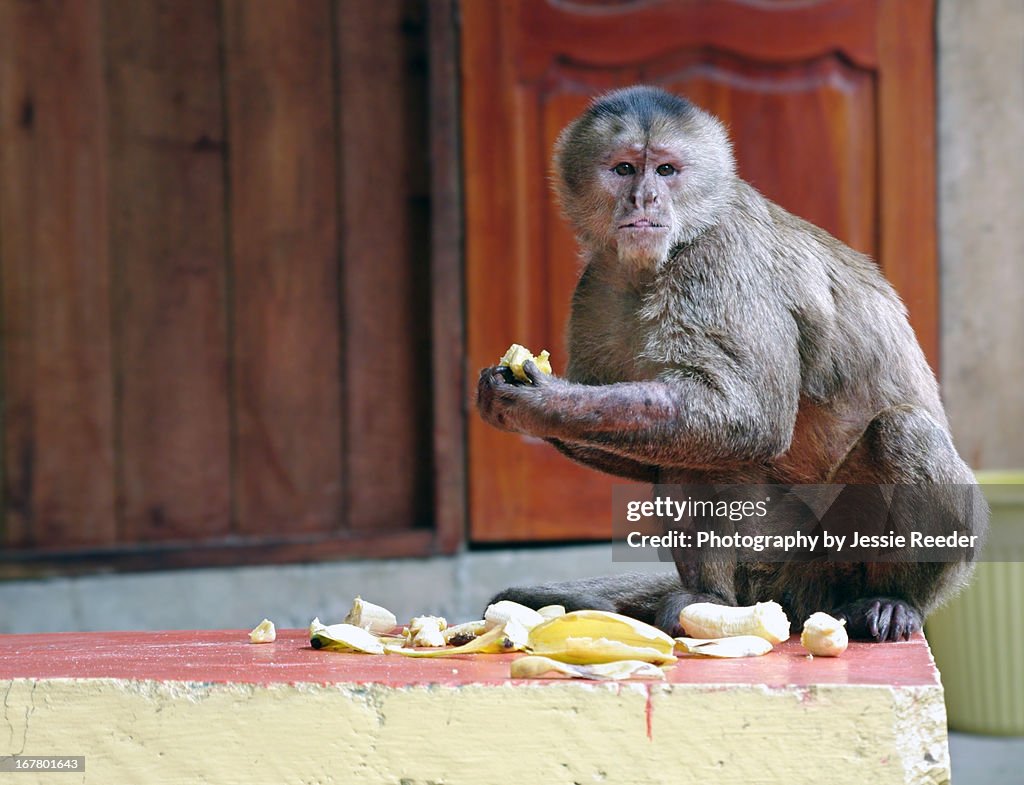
[624, 169]
[666, 169]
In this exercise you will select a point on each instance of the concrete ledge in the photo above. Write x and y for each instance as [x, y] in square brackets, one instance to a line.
[210, 707]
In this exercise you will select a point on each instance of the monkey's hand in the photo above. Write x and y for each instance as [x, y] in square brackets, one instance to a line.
[507, 403]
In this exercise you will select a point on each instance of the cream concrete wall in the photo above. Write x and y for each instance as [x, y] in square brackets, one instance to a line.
[456, 587]
[981, 226]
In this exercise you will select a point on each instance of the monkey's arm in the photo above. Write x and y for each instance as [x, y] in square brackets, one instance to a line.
[684, 420]
[607, 462]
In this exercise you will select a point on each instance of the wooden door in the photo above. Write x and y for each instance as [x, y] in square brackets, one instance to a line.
[830, 105]
[215, 307]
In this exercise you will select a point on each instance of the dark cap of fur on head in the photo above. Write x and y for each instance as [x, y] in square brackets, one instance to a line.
[613, 112]
[641, 102]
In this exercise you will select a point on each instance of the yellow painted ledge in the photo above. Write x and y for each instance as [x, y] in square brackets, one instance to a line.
[154, 731]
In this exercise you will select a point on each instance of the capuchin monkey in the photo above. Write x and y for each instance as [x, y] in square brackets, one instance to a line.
[716, 338]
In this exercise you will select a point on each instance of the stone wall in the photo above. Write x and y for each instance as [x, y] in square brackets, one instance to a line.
[981, 226]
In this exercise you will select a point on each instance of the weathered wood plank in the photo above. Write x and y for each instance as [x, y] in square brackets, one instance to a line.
[284, 257]
[384, 187]
[168, 245]
[57, 388]
[447, 284]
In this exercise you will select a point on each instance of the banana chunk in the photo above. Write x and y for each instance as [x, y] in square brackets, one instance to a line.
[824, 636]
[511, 636]
[460, 634]
[426, 631]
[500, 612]
[371, 617]
[264, 632]
[518, 355]
[709, 620]
[551, 611]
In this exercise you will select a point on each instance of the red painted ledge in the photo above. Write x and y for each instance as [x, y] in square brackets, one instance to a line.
[226, 656]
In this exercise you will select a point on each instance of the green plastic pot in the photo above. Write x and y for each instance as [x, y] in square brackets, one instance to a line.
[978, 638]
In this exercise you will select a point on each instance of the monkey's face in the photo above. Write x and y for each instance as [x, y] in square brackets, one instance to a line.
[641, 184]
[642, 171]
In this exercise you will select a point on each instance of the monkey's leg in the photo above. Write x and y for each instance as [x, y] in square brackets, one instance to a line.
[906, 446]
[655, 599]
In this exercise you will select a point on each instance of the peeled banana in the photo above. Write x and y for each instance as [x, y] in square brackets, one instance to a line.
[709, 620]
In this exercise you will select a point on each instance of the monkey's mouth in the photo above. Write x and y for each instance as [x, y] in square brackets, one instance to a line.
[642, 223]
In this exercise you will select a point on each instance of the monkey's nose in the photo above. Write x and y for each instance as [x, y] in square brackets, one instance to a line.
[644, 199]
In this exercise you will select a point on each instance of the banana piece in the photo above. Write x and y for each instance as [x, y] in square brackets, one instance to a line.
[537, 667]
[824, 636]
[511, 636]
[463, 633]
[371, 617]
[516, 357]
[710, 620]
[737, 646]
[264, 632]
[343, 637]
[551, 611]
[500, 612]
[589, 637]
[426, 631]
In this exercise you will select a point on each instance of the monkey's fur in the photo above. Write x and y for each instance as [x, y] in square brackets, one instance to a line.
[716, 338]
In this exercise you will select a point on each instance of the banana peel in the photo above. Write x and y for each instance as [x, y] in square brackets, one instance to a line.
[343, 637]
[591, 637]
[537, 667]
[735, 646]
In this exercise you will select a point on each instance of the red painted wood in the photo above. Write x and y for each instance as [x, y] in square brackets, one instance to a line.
[226, 656]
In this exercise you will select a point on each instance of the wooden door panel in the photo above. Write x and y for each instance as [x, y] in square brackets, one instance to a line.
[806, 90]
[167, 240]
[224, 268]
[58, 479]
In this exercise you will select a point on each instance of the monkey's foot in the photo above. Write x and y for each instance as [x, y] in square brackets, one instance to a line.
[880, 619]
